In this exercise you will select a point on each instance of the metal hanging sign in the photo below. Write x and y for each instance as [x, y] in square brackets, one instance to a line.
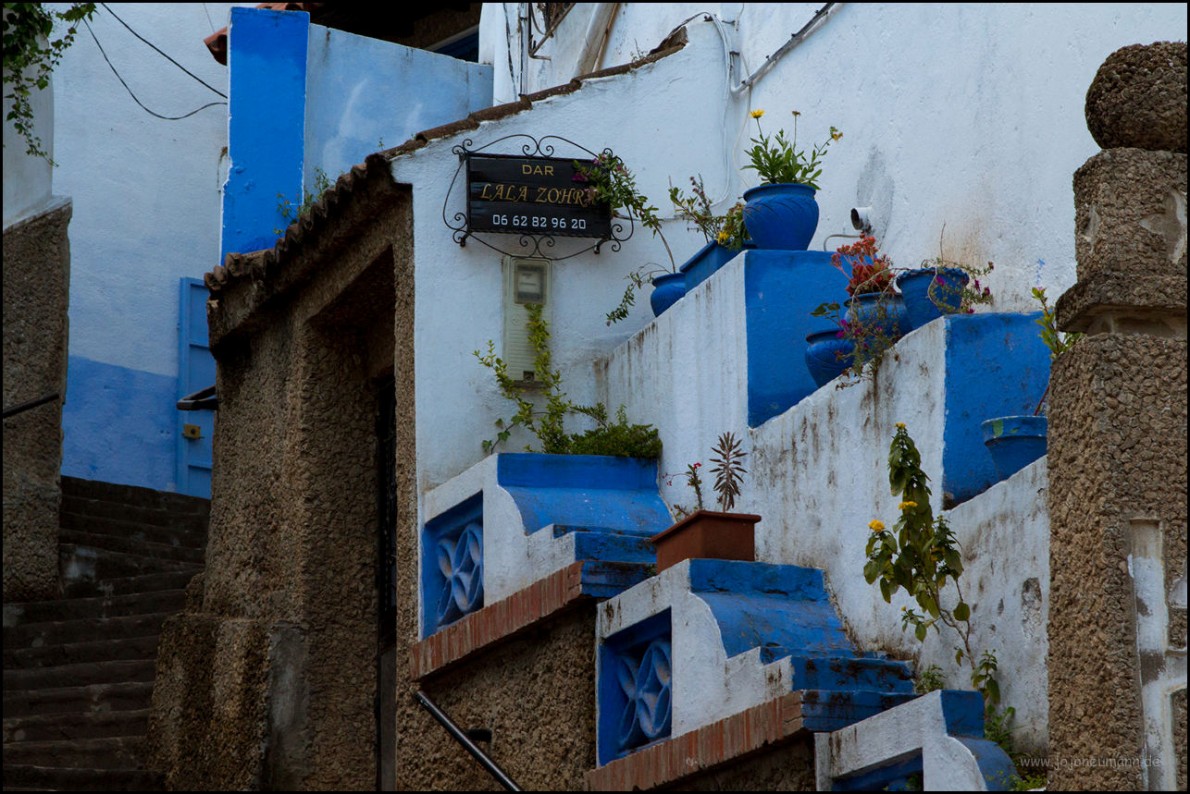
[534, 195]
[541, 195]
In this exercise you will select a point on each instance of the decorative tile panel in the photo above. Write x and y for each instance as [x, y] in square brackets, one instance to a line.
[452, 565]
[634, 688]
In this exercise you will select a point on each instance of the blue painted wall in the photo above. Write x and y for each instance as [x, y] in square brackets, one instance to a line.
[781, 288]
[307, 99]
[267, 63]
[364, 94]
[118, 425]
[996, 365]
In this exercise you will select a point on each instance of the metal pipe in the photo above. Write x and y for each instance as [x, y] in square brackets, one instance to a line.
[16, 409]
[461, 737]
[819, 17]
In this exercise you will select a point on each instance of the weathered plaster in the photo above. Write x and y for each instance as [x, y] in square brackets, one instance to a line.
[36, 281]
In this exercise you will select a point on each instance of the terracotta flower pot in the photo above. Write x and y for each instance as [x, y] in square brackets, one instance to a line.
[707, 534]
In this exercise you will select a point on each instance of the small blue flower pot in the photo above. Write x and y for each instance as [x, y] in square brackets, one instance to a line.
[931, 293]
[667, 290]
[827, 355]
[1015, 442]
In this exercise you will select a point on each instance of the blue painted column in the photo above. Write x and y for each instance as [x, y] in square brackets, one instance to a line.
[781, 288]
[266, 132]
[996, 365]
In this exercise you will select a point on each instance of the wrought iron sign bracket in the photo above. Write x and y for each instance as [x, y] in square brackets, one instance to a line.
[531, 195]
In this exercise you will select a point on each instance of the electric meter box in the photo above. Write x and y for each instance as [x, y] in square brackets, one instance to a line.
[526, 281]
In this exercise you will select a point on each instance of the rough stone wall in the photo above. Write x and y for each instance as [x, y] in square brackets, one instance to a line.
[36, 293]
[269, 680]
[536, 694]
[1117, 440]
[786, 768]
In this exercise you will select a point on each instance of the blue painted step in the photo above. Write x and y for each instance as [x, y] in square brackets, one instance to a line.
[618, 494]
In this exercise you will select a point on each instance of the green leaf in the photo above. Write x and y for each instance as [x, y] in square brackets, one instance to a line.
[962, 612]
[920, 632]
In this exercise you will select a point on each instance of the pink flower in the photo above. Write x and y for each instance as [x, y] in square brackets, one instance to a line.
[939, 279]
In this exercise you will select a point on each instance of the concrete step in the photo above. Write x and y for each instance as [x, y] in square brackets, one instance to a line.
[35, 778]
[127, 585]
[72, 487]
[132, 545]
[80, 674]
[172, 534]
[195, 516]
[89, 564]
[71, 653]
[106, 698]
[76, 725]
[58, 632]
[112, 752]
[100, 607]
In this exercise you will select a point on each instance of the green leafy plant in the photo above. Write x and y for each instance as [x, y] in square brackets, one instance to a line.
[698, 211]
[728, 456]
[929, 680]
[777, 159]
[28, 65]
[291, 211]
[548, 423]
[1057, 342]
[921, 555]
[611, 182]
[728, 470]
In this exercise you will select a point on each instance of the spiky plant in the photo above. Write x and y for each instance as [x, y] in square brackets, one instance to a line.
[728, 470]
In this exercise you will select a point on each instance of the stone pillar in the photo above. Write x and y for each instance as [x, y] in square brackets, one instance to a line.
[36, 291]
[1117, 444]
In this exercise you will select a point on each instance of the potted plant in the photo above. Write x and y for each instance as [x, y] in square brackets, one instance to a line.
[941, 286]
[781, 213]
[869, 321]
[1016, 441]
[724, 234]
[610, 181]
[712, 534]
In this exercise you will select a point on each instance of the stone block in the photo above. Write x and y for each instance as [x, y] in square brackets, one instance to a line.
[1117, 461]
[1130, 219]
[1138, 98]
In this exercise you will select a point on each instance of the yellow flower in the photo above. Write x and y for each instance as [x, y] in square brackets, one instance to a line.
[876, 525]
[835, 134]
[900, 425]
[757, 113]
[907, 505]
[723, 237]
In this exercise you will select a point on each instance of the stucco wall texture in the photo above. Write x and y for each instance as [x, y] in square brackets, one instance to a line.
[269, 680]
[536, 694]
[1117, 439]
[36, 284]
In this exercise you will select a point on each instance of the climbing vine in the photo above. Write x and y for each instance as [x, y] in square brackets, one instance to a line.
[28, 64]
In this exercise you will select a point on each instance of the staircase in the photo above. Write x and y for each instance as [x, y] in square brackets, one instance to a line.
[78, 672]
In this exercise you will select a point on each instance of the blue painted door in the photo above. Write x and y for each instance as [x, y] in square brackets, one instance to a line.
[196, 370]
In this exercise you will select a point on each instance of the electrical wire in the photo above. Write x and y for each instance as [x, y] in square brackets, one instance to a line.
[159, 52]
[129, 90]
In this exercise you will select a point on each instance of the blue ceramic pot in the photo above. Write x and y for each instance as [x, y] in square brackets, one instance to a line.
[931, 293]
[1014, 441]
[781, 216]
[882, 311]
[706, 263]
[827, 355]
[667, 290]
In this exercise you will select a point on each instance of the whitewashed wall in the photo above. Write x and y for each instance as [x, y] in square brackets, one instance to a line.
[28, 180]
[963, 115]
[459, 289]
[146, 191]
